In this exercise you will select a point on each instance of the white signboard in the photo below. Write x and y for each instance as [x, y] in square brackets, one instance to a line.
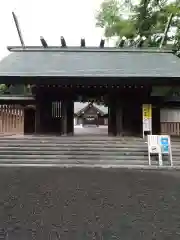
[160, 145]
[147, 125]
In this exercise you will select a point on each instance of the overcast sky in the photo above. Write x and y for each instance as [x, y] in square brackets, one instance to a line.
[50, 18]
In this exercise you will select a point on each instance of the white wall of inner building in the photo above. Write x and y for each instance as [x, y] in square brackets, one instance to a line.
[170, 121]
[170, 115]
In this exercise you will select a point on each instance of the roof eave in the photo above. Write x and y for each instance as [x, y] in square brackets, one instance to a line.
[84, 49]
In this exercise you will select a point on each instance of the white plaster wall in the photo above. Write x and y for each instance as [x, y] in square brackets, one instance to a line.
[170, 115]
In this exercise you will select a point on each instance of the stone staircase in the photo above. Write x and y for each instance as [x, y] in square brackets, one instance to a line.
[73, 151]
[175, 146]
[78, 151]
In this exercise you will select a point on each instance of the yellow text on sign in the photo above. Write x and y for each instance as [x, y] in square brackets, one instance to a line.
[147, 111]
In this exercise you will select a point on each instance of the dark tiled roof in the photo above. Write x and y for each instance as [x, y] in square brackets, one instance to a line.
[87, 63]
[78, 106]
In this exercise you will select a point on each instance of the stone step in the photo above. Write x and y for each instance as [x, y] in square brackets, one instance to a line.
[82, 151]
[71, 152]
[176, 163]
[71, 161]
[69, 148]
[91, 144]
[77, 145]
[74, 151]
[71, 140]
[175, 150]
[73, 157]
[80, 146]
[176, 158]
[95, 138]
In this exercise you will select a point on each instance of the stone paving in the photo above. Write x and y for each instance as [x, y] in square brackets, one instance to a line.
[102, 130]
[46, 203]
[78, 131]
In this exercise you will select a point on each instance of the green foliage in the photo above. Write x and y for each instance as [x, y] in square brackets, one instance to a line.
[3, 88]
[108, 14]
[146, 18]
[149, 17]
[121, 28]
[110, 17]
[15, 89]
[152, 18]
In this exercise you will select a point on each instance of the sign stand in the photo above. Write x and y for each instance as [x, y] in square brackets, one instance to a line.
[159, 145]
[165, 144]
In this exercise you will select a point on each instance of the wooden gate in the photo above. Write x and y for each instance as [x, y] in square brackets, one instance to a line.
[11, 119]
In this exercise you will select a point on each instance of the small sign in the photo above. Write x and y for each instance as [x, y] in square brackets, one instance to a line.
[147, 118]
[154, 149]
[164, 143]
[153, 144]
[147, 111]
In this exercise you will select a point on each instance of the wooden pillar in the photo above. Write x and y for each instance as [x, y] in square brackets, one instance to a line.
[63, 117]
[6, 120]
[41, 117]
[1, 126]
[46, 116]
[3, 116]
[18, 120]
[115, 116]
[119, 118]
[156, 124]
[67, 113]
[38, 118]
[22, 120]
[112, 117]
[12, 117]
[70, 117]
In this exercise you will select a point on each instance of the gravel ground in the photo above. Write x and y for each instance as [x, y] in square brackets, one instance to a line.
[56, 203]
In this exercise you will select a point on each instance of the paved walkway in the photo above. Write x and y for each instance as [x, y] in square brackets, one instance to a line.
[39, 203]
[102, 130]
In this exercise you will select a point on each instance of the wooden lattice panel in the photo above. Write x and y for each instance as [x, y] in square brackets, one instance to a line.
[11, 119]
[170, 128]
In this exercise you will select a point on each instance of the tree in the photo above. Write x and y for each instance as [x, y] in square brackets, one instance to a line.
[152, 16]
[3, 88]
[15, 89]
[111, 18]
[147, 18]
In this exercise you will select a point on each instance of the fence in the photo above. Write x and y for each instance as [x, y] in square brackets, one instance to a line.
[11, 119]
[170, 121]
[170, 128]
